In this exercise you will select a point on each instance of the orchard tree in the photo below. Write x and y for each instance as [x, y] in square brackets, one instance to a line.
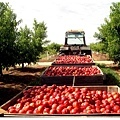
[25, 46]
[39, 33]
[53, 48]
[109, 33]
[30, 43]
[98, 47]
[8, 33]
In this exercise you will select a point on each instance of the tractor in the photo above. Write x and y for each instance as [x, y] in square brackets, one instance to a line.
[75, 44]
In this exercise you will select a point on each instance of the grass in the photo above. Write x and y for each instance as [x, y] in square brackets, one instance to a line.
[43, 56]
[112, 77]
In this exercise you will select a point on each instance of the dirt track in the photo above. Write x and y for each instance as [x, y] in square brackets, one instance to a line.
[49, 63]
[104, 62]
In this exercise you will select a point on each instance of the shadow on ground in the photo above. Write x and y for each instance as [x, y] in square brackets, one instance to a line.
[112, 74]
[116, 68]
[15, 80]
[30, 69]
[21, 76]
[110, 80]
[6, 94]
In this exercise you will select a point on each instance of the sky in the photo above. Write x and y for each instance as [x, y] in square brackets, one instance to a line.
[62, 15]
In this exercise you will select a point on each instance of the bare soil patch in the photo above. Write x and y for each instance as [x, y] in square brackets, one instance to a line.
[100, 57]
[50, 59]
[15, 80]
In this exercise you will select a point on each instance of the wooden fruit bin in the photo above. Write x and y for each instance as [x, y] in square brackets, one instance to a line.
[73, 80]
[12, 101]
[90, 80]
[58, 80]
[71, 64]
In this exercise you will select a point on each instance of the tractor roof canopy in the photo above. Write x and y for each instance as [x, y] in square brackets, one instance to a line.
[75, 31]
[75, 37]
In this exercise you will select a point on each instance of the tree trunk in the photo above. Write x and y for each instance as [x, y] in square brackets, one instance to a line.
[22, 65]
[1, 70]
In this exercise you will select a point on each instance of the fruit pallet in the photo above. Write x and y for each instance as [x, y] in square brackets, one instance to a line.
[73, 80]
[12, 101]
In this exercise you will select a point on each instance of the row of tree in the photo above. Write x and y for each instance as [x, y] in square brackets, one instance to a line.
[19, 45]
[109, 34]
[98, 47]
[52, 48]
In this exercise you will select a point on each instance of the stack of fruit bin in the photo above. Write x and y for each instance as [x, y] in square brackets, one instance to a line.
[66, 70]
[23, 106]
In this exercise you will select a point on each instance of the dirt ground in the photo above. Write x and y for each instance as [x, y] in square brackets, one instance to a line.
[99, 57]
[15, 80]
[95, 55]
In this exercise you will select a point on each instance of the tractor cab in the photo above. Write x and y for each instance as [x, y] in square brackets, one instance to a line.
[75, 43]
[75, 38]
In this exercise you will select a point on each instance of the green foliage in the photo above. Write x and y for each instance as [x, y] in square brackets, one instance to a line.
[101, 65]
[109, 33]
[52, 48]
[8, 34]
[39, 34]
[19, 46]
[112, 78]
[30, 42]
[98, 47]
[25, 46]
